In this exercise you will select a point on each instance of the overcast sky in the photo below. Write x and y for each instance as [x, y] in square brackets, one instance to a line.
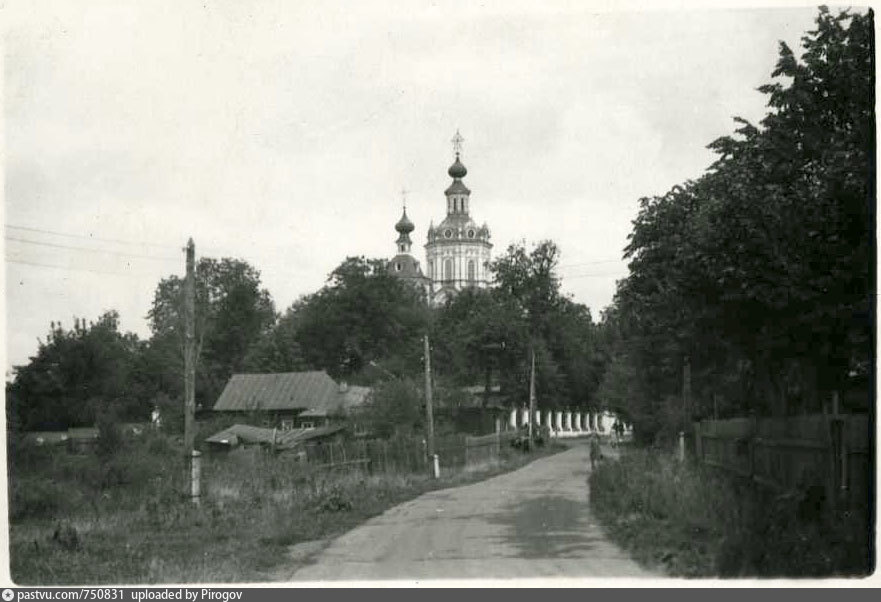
[282, 133]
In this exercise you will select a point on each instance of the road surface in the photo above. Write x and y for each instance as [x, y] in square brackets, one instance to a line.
[534, 522]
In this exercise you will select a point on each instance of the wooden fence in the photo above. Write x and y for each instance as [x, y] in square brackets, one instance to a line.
[834, 451]
[407, 455]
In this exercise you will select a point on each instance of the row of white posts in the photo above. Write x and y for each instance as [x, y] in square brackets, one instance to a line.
[561, 423]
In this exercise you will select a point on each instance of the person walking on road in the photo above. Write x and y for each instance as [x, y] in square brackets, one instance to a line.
[595, 452]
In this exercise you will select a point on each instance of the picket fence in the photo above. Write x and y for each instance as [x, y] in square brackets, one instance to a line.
[833, 451]
[407, 455]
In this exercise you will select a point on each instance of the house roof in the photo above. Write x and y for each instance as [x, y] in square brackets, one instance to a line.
[282, 391]
[352, 397]
[245, 433]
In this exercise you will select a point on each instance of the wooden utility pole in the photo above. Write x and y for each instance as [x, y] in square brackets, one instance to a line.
[190, 360]
[686, 388]
[531, 397]
[429, 412]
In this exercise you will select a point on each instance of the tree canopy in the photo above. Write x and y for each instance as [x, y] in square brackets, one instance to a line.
[757, 273]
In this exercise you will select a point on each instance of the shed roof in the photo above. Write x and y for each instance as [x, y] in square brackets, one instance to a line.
[282, 391]
[245, 433]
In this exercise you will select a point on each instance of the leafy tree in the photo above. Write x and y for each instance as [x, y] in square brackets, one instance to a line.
[757, 272]
[277, 350]
[231, 312]
[76, 375]
[362, 315]
[395, 408]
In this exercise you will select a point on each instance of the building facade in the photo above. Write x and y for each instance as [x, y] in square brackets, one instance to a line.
[458, 250]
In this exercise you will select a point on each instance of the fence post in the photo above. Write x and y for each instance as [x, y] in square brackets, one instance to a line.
[681, 453]
[436, 463]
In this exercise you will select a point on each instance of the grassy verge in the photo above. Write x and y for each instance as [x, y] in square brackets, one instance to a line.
[691, 521]
[84, 520]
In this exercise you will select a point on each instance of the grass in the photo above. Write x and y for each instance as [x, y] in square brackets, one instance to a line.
[122, 519]
[692, 521]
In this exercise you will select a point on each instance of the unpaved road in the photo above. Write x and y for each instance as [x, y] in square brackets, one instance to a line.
[531, 523]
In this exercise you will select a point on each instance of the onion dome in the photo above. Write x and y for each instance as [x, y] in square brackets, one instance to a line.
[404, 225]
[457, 170]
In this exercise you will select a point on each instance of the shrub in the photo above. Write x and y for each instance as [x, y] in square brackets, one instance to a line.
[110, 439]
[696, 521]
[35, 498]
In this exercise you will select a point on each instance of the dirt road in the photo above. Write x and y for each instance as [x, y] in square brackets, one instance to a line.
[531, 523]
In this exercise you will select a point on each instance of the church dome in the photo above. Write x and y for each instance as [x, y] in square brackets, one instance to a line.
[457, 170]
[404, 225]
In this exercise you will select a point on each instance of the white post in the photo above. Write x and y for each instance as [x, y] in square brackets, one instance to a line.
[567, 424]
[196, 476]
[558, 420]
[524, 416]
[512, 420]
[681, 446]
[576, 421]
[537, 418]
[436, 465]
[549, 421]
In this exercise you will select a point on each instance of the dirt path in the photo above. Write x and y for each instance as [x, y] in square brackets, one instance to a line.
[531, 523]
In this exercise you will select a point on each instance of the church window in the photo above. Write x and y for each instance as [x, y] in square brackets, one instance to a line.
[448, 269]
[398, 266]
[448, 233]
[470, 233]
[471, 270]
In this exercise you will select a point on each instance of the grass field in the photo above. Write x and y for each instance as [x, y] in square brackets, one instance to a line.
[692, 521]
[121, 519]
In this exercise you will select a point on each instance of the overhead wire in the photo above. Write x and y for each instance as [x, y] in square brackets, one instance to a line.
[89, 249]
[90, 237]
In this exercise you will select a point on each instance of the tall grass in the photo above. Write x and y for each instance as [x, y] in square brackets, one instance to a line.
[693, 521]
[131, 523]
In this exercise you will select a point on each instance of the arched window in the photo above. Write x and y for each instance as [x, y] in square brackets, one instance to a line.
[471, 270]
[448, 269]
[431, 269]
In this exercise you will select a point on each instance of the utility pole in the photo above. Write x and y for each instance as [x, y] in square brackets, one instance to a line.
[190, 371]
[429, 412]
[531, 397]
[686, 387]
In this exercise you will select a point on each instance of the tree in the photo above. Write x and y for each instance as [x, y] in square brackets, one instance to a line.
[232, 312]
[362, 315]
[277, 349]
[78, 374]
[757, 272]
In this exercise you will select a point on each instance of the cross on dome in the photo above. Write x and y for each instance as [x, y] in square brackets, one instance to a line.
[457, 143]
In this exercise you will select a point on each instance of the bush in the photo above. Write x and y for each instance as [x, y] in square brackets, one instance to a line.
[35, 498]
[695, 521]
[110, 438]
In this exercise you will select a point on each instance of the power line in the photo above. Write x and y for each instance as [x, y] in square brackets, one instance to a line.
[90, 237]
[595, 275]
[572, 265]
[92, 250]
[73, 268]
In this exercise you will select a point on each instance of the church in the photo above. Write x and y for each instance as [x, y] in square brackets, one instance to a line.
[457, 252]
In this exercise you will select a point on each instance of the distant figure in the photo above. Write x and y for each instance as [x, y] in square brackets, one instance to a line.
[155, 418]
[618, 429]
[595, 453]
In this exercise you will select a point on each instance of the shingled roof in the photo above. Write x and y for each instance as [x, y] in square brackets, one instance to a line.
[283, 391]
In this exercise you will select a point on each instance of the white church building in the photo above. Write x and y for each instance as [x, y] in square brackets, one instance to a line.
[458, 250]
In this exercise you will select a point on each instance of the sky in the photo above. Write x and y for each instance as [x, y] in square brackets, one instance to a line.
[283, 134]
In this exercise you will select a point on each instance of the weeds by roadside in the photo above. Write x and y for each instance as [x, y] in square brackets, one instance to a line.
[692, 521]
[123, 519]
